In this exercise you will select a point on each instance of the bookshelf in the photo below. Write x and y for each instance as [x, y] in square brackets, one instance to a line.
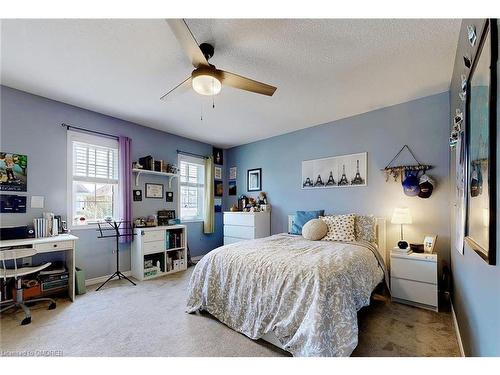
[159, 251]
[138, 173]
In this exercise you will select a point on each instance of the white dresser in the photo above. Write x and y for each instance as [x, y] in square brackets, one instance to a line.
[240, 226]
[414, 279]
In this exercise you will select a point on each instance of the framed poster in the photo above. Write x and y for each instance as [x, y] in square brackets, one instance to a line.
[218, 173]
[154, 191]
[218, 154]
[232, 187]
[232, 173]
[13, 172]
[335, 171]
[218, 188]
[254, 179]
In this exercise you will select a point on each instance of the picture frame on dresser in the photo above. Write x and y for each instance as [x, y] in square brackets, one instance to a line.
[481, 147]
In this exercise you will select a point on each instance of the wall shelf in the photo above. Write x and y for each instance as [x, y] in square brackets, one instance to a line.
[138, 172]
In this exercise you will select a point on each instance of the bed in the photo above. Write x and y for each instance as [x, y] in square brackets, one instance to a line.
[302, 296]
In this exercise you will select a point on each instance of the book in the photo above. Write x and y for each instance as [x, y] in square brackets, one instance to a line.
[147, 162]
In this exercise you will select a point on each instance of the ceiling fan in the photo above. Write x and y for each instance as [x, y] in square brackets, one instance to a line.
[206, 79]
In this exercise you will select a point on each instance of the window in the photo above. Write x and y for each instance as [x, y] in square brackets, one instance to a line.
[92, 178]
[191, 187]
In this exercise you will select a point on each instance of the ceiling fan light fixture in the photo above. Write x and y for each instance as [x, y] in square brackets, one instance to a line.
[205, 82]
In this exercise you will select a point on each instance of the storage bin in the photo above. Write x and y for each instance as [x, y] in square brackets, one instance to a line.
[80, 281]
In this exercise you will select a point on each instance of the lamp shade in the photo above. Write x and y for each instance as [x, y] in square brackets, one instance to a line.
[401, 215]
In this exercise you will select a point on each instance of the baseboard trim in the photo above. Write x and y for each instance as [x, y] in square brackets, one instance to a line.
[457, 331]
[101, 279]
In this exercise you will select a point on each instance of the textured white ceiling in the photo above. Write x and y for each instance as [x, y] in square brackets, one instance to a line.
[324, 70]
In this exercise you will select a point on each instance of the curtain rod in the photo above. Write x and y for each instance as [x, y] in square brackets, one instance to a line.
[191, 154]
[68, 127]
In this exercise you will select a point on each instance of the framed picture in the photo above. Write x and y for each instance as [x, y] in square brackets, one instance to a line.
[254, 179]
[218, 188]
[137, 195]
[481, 147]
[169, 196]
[335, 171]
[154, 191]
[232, 173]
[429, 243]
[218, 204]
[232, 187]
[13, 172]
[218, 173]
[218, 154]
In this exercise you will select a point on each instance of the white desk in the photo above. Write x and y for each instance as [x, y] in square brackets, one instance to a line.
[62, 242]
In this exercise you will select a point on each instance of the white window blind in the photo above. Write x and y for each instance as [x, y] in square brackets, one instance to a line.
[92, 179]
[192, 187]
[95, 163]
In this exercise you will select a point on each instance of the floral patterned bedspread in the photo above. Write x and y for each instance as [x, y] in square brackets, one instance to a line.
[306, 292]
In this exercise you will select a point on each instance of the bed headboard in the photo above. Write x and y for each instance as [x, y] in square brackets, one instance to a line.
[380, 231]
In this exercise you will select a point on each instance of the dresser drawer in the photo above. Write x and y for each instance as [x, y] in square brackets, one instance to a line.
[230, 240]
[154, 247]
[414, 291]
[414, 269]
[239, 231]
[155, 235]
[53, 246]
[243, 219]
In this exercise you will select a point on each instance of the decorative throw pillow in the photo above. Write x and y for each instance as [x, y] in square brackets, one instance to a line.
[302, 217]
[340, 227]
[365, 228]
[314, 230]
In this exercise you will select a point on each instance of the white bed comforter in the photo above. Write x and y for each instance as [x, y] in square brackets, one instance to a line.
[306, 292]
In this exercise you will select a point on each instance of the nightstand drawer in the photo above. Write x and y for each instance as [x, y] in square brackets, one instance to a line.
[414, 269]
[414, 291]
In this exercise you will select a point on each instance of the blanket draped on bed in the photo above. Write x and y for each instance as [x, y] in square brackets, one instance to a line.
[306, 292]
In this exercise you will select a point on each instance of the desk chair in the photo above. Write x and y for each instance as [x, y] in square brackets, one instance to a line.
[17, 273]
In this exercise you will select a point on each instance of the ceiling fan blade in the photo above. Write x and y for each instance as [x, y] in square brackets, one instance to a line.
[243, 83]
[179, 89]
[187, 42]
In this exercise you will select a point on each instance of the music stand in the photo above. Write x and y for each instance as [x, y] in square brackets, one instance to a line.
[116, 227]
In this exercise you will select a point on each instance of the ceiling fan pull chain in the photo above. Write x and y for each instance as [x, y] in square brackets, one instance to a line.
[201, 111]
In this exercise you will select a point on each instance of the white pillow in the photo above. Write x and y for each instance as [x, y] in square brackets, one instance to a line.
[340, 227]
[314, 230]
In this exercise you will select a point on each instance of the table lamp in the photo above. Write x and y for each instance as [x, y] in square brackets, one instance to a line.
[401, 216]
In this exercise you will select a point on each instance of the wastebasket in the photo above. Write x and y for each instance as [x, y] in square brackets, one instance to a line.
[80, 281]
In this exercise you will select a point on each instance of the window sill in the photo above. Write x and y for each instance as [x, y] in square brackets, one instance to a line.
[191, 221]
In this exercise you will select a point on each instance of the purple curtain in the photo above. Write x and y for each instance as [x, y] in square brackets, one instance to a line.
[125, 170]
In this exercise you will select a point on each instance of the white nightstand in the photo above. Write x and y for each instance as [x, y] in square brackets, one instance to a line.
[414, 279]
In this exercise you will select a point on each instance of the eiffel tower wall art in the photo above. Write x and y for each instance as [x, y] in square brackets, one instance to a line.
[335, 172]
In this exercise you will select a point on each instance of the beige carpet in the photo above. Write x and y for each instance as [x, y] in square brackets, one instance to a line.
[149, 320]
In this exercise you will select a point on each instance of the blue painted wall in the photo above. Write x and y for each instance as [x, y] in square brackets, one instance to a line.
[31, 125]
[422, 124]
[476, 285]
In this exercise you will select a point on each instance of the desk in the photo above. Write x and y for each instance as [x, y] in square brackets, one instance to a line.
[62, 242]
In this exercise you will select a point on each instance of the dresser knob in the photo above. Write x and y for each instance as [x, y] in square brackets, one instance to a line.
[55, 245]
